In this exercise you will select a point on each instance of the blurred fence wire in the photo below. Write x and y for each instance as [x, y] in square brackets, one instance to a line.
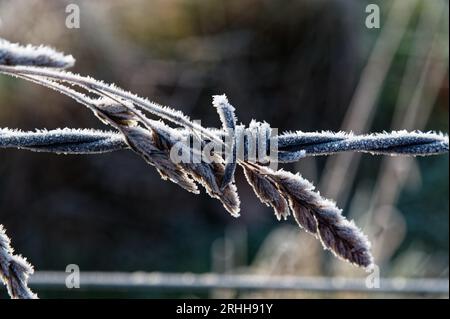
[243, 282]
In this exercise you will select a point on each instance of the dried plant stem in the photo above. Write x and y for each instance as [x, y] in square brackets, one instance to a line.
[14, 270]
[91, 84]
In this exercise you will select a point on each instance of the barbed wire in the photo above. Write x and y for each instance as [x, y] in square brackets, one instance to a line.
[63, 141]
[88, 141]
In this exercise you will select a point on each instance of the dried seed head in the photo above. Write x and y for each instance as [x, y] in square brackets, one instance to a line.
[146, 144]
[151, 144]
[303, 216]
[267, 192]
[228, 194]
[319, 216]
[345, 240]
[210, 176]
[110, 112]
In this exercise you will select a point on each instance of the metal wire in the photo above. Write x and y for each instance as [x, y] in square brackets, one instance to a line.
[78, 141]
[208, 281]
[67, 141]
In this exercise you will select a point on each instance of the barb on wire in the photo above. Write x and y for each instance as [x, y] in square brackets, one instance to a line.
[155, 142]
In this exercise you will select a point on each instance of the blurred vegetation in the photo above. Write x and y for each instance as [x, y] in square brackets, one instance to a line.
[294, 64]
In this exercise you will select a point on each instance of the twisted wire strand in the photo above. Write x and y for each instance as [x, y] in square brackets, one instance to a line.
[63, 141]
[87, 141]
[414, 143]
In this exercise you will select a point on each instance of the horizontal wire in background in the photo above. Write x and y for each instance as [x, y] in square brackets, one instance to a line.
[188, 281]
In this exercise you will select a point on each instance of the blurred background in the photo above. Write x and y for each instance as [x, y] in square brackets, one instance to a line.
[299, 65]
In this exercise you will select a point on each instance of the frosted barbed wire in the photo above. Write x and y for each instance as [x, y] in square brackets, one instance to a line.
[68, 141]
[387, 143]
[88, 141]
[14, 270]
[30, 55]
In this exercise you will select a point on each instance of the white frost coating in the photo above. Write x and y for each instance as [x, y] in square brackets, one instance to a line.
[387, 143]
[13, 54]
[228, 119]
[225, 111]
[221, 100]
[14, 270]
[291, 148]
[68, 141]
